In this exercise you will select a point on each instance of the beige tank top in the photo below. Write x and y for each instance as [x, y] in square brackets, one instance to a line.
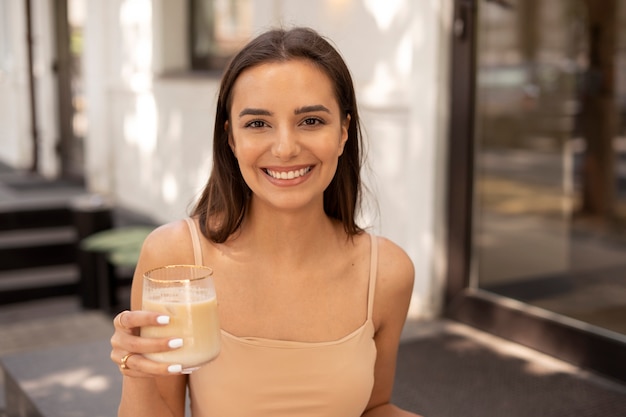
[258, 377]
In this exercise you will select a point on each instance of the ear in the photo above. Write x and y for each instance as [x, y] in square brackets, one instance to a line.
[231, 142]
[345, 126]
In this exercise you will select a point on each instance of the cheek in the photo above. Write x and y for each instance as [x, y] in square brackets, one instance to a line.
[244, 148]
[246, 151]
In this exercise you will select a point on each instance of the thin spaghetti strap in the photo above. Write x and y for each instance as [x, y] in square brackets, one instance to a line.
[195, 240]
[373, 274]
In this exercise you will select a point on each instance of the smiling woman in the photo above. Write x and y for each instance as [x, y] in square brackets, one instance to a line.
[287, 149]
[310, 306]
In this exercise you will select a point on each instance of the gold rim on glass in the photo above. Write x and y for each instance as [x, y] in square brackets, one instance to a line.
[209, 273]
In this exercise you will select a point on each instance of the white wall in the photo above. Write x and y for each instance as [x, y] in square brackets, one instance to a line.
[149, 141]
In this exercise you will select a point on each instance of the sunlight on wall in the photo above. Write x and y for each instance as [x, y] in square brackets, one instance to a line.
[338, 7]
[384, 12]
[383, 83]
[403, 88]
[202, 173]
[140, 127]
[169, 188]
[389, 77]
[174, 127]
[390, 81]
[136, 36]
[404, 54]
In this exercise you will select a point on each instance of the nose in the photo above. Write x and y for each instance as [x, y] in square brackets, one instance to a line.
[286, 145]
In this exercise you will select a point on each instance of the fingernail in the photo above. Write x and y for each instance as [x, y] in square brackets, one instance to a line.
[175, 369]
[175, 343]
[163, 319]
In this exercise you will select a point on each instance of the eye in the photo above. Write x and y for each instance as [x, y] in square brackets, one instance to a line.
[312, 121]
[256, 124]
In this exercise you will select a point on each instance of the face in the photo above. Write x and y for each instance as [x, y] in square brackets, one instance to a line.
[287, 132]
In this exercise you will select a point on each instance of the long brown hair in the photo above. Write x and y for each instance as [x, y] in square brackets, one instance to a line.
[223, 203]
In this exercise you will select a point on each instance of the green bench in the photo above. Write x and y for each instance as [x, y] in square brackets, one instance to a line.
[107, 260]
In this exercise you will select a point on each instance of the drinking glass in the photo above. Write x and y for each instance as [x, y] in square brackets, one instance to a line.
[185, 293]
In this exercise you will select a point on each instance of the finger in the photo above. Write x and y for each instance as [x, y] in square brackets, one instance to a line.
[129, 320]
[125, 342]
[140, 366]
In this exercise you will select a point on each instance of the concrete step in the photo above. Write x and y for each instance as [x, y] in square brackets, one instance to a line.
[21, 316]
[12, 218]
[37, 247]
[38, 277]
[21, 285]
[35, 237]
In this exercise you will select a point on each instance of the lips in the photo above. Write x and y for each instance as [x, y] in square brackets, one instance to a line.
[287, 175]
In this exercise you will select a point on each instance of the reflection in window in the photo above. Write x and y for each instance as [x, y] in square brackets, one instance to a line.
[218, 29]
[550, 191]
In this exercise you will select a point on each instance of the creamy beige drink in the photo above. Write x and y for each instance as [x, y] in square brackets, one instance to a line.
[192, 307]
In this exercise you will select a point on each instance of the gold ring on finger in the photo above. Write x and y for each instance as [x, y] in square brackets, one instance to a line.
[123, 365]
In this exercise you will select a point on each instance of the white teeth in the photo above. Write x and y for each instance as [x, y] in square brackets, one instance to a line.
[288, 175]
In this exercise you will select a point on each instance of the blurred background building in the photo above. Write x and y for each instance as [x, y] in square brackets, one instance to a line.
[496, 134]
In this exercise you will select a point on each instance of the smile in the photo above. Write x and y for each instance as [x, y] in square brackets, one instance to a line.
[287, 175]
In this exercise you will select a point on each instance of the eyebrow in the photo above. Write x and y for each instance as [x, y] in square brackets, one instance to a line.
[301, 110]
[254, 112]
[311, 109]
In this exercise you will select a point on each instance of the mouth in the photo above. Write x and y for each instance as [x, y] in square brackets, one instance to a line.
[287, 175]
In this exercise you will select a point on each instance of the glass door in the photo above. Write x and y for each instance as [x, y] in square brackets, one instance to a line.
[545, 243]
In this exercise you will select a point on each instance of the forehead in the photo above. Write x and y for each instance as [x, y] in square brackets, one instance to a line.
[296, 79]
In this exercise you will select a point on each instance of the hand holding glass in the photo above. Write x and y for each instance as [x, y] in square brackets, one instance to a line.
[185, 293]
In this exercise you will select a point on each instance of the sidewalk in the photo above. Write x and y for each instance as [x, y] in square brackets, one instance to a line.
[446, 369]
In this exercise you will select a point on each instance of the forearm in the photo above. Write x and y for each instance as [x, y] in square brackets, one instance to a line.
[141, 397]
[388, 410]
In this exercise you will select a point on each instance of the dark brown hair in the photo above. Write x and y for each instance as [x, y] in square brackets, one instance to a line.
[224, 200]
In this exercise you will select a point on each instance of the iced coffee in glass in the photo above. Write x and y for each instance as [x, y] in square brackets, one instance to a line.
[185, 293]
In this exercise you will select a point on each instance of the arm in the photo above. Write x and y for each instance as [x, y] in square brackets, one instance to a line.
[149, 389]
[393, 293]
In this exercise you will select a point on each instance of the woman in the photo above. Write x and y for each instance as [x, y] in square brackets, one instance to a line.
[311, 307]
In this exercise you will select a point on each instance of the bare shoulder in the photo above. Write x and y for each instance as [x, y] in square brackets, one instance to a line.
[395, 268]
[168, 244]
[394, 282]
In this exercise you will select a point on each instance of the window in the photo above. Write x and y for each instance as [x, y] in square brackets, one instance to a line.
[218, 29]
[537, 141]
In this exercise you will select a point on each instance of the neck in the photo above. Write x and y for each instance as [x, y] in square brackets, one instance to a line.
[293, 235]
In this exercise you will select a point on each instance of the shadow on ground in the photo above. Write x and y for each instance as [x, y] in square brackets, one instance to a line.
[450, 375]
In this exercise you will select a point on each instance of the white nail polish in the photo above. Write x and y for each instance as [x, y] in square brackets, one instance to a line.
[175, 343]
[175, 369]
[163, 319]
